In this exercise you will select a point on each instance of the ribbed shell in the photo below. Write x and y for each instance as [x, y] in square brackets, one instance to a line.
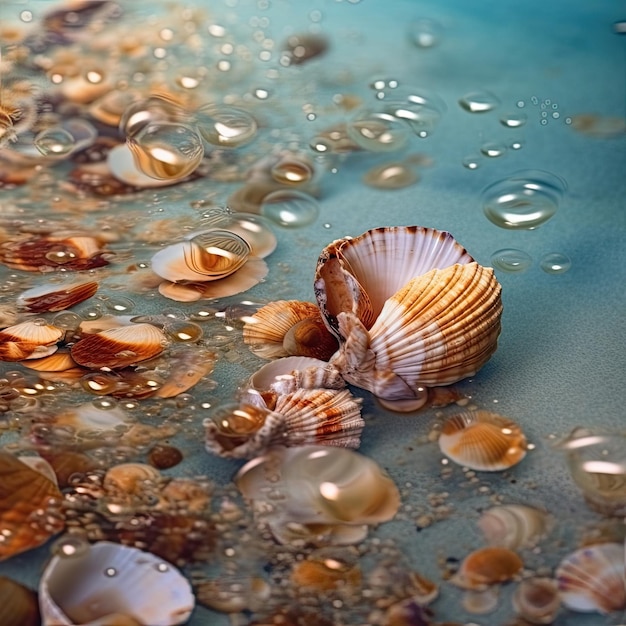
[30, 339]
[111, 578]
[487, 566]
[56, 297]
[514, 525]
[305, 416]
[593, 579]
[119, 347]
[482, 440]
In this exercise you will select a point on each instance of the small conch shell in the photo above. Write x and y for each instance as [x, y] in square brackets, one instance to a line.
[110, 578]
[487, 566]
[410, 308]
[592, 579]
[537, 600]
[514, 525]
[482, 440]
[56, 297]
[119, 347]
[305, 416]
[29, 340]
[289, 328]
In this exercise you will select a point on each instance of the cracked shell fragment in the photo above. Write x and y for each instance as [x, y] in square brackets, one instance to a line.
[31, 339]
[110, 578]
[119, 347]
[27, 500]
[483, 441]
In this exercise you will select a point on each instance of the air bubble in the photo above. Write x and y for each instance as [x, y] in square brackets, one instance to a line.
[511, 260]
[70, 546]
[226, 126]
[291, 209]
[425, 33]
[492, 149]
[421, 110]
[514, 120]
[378, 131]
[555, 263]
[479, 102]
[153, 110]
[54, 141]
[471, 162]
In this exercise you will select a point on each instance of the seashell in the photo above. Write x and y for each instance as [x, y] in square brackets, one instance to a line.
[18, 604]
[48, 298]
[289, 327]
[186, 369]
[27, 498]
[318, 485]
[406, 613]
[514, 525]
[30, 339]
[109, 578]
[163, 456]
[53, 252]
[67, 463]
[410, 307]
[40, 465]
[487, 566]
[233, 594]
[482, 440]
[129, 478]
[120, 164]
[59, 361]
[294, 372]
[592, 579]
[89, 417]
[119, 347]
[328, 569]
[315, 416]
[481, 602]
[318, 535]
[537, 600]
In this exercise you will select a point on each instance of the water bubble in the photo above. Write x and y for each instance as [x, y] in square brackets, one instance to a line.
[70, 546]
[516, 144]
[492, 149]
[378, 131]
[155, 109]
[514, 120]
[54, 141]
[421, 110]
[390, 176]
[167, 150]
[254, 229]
[292, 170]
[471, 162]
[555, 263]
[183, 332]
[425, 33]
[225, 126]
[511, 260]
[479, 102]
[119, 304]
[66, 320]
[525, 200]
[291, 209]
[110, 572]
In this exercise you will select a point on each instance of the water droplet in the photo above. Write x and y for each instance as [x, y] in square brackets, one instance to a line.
[166, 151]
[492, 149]
[155, 109]
[261, 94]
[425, 33]
[378, 131]
[183, 332]
[514, 120]
[291, 209]
[525, 200]
[66, 320]
[479, 102]
[54, 141]
[70, 546]
[390, 176]
[292, 170]
[511, 260]
[225, 126]
[516, 144]
[162, 567]
[110, 572]
[555, 263]
[119, 304]
[419, 109]
[60, 255]
[471, 162]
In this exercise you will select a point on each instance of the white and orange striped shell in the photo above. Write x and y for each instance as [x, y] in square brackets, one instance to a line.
[410, 308]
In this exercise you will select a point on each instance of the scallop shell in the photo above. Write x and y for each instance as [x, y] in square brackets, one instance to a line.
[92, 418]
[26, 498]
[410, 308]
[514, 525]
[30, 339]
[18, 604]
[593, 579]
[294, 372]
[482, 440]
[119, 347]
[59, 361]
[56, 297]
[128, 479]
[305, 416]
[111, 578]
[319, 485]
[327, 570]
[487, 566]
[537, 600]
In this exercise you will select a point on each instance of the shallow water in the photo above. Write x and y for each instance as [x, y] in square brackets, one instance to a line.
[560, 359]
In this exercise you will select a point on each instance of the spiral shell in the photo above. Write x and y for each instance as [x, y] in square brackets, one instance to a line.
[592, 579]
[410, 308]
[482, 440]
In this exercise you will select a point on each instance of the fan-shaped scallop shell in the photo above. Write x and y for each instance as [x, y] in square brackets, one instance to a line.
[487, 566]
[119, 347]
[482, 440]
[110, 578]
[593, 579]
[28, 340]
[294, 372]
[26, 497]
[289, 327]
[56, 297]
[514, 525]
[410, 308]
[305, 416]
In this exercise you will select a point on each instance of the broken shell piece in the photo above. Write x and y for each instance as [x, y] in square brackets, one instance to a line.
[592, 579]
[537, 600]
[18, 604]
[26, 500]
[289, 327]
[315, 416]
[30, 339]
[514, 525]
[482, 440]
[319, 485]
[295, 372]
[487, 566]
[56, 297]
[111, 578]
[119, 347]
